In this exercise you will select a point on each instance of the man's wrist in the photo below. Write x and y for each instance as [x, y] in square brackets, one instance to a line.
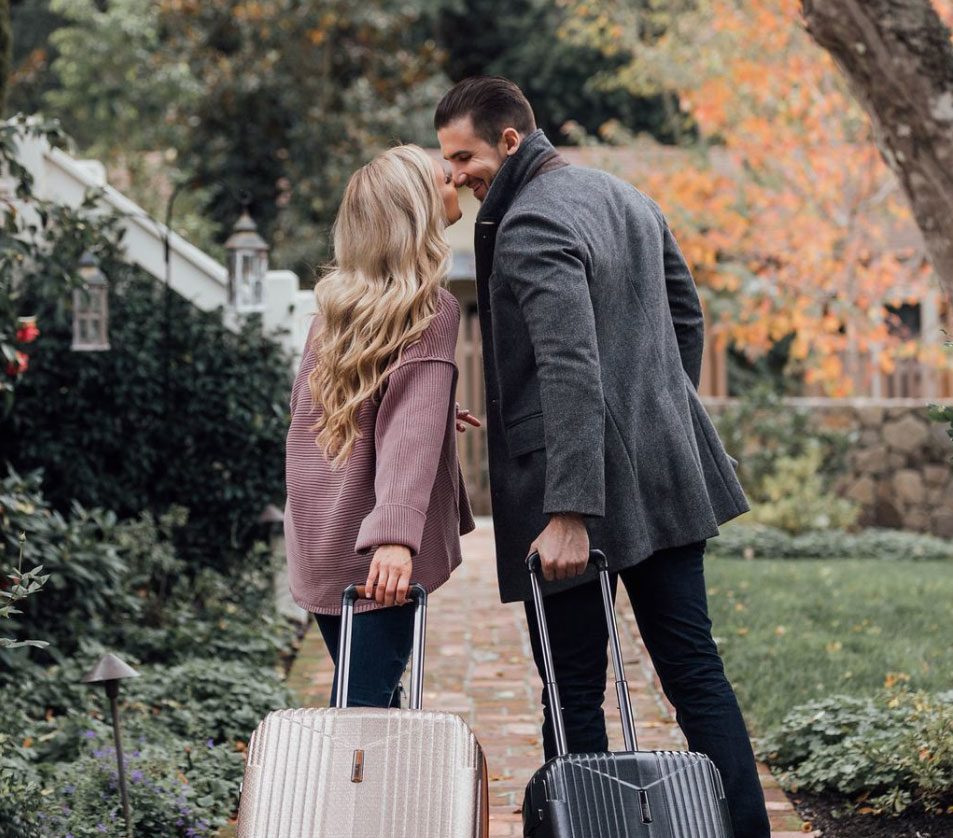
[566, 516]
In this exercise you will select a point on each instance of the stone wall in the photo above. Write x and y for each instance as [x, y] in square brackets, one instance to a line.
[899, 469]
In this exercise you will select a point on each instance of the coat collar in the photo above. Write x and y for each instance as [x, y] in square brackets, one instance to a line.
[514, 174]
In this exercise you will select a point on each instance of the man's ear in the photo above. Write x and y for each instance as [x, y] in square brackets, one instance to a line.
[511, 139]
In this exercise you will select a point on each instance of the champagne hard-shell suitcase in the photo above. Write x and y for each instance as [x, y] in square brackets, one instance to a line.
[365, 772]
[649, 794]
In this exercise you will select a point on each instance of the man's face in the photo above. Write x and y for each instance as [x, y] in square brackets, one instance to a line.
[473, 161]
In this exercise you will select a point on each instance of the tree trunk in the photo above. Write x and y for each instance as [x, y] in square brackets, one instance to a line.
[898, 58]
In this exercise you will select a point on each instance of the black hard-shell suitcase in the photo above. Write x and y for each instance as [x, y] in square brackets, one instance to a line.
[650, 794]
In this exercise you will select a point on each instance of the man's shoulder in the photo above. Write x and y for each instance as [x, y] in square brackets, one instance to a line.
[555, 198]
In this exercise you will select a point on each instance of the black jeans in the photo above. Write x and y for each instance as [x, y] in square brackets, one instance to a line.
[668, 596]
[381, 642]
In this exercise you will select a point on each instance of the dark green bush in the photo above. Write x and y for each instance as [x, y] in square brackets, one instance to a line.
[943, 413]
[175, 789]
[121, 585]
[85, 591]
[787, 464]
[742, 540]
[889, 752]
[180, 411]
[209, 699]
[182, 721]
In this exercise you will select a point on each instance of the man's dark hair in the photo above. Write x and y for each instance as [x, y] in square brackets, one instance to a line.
[492, 103]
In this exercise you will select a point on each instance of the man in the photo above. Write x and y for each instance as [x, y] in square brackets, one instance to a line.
[592, 347]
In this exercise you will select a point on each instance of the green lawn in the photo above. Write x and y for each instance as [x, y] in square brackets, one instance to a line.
[794, 630]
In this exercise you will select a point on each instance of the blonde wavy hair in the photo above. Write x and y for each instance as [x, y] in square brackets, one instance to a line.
[380, 292]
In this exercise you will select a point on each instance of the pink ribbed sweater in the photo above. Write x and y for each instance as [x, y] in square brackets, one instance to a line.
[401, 485]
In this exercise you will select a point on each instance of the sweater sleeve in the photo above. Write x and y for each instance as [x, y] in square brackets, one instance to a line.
[408, 437]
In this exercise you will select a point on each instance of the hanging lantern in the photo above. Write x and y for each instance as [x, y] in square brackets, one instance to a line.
[247, 266]
[91, 308]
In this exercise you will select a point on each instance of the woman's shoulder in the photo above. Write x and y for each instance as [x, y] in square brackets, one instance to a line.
[448, 312]
[439, 340]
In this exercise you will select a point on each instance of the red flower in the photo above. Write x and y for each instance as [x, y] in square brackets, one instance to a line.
[27, 331]
[18, 365]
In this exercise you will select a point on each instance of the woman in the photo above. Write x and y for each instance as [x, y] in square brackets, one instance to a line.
[375, 491]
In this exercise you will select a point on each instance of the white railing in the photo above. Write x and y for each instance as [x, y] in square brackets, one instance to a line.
[190, 272]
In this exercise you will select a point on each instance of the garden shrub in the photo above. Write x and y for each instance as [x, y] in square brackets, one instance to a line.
[179, 411]
[85, 590]
[198, 700]
[787, 464]
[205, 698]
[887, 753]
[122, 585]
[207, 647]
[188, 722]
[174, 790]
[19, 798]
[795, 499]
[743, 540]
[944, 414]
[45, 245]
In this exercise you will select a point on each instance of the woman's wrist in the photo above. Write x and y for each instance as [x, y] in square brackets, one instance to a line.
[398, 548]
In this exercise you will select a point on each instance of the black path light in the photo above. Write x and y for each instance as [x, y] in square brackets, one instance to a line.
[109, 671]
[91, 308]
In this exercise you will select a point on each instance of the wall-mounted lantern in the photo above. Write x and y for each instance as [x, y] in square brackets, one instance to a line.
[91, 307]
[247, 266]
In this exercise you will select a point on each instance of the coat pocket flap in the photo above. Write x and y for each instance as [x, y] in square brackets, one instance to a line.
[525, 435]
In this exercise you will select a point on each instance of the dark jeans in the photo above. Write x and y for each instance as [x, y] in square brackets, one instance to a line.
[667, 592]
[381, 642]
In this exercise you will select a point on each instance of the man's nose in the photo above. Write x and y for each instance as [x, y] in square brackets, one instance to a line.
[460, 178]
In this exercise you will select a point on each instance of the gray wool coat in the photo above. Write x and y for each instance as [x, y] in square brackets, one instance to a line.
[592, 345]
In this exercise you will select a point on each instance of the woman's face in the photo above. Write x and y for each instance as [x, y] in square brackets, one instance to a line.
[448, 192]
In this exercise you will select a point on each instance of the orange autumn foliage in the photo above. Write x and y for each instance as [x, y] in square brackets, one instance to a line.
[790, 219]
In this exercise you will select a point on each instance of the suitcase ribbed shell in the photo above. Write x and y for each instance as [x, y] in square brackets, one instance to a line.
[655, 794]
[420, 776]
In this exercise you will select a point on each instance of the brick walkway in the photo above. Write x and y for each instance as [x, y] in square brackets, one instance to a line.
[481, 668]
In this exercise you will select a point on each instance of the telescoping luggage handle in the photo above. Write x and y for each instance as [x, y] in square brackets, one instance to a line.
[417, 593]
[552, 689]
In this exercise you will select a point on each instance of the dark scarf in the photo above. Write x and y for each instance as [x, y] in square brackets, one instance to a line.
[535, 155]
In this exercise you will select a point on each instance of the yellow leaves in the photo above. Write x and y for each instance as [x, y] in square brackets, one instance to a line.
[944, 9]
[834, 647]
[831, 367]
[317, 36]
[783, 205]
[251, 11]
[893, 678]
